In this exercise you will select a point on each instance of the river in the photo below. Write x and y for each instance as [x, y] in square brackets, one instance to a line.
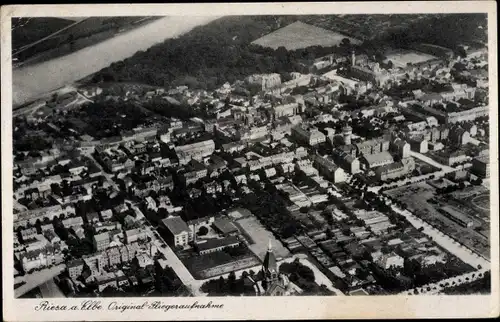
[30, 82]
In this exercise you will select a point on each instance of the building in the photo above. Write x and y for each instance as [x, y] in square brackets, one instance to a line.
[275, 283]
[28, 233]
[31, 216]
[374, 146]
[113, 256]
[439, 133]
[481, 166]
[347, 161]
[459, 136]
[106, 280]
[75, 268]
[347, 135]
[144, 260]
[106, 214]
[233, 147]
[47, 227]
[195, 224]
[178, 231]
[95, 262]
[264, 81]
[329, 169]
[194, 171]
[419, 144]
[395, 170]
[450, 158]
[363, 74]
[308, 135]
[225, 227]
[448, 117]
[41, 258]
[387, 261]
[207, 246]
[108, 226]
[376, 160]
[285, 110]
[195, 151]
[92, 217]
[101, 241]
[401, 148]
[471, 128]
[134, 235]
[456, 216]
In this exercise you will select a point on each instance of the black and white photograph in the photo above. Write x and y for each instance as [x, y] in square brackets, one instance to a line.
[241, 155]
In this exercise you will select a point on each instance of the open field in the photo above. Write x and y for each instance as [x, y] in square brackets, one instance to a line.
[260, 237]
[482, 202]
[422, 200]
[401, 57]
[301, 35]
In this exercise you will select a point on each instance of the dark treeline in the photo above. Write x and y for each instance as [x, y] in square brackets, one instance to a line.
[210, 55]
[28, 30]
[449, 31]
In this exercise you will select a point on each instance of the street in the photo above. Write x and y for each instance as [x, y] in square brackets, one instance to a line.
[438, 287]
[49, 289]
[320, 278]
[438, 174]
[108, 176]
[37, 278]
[448, 243]
[431, 161]
[176, 264]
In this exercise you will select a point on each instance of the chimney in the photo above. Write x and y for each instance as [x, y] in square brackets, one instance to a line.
[353, 58]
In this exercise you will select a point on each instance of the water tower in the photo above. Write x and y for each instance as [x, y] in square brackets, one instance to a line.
[347, 133]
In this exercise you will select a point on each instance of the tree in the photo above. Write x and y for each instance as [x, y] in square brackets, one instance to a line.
[55, 188]
[202, 231]
[231, 279]
[38, 226]
[345, 42]
[460, 51]
[304, 210]
[221, 286]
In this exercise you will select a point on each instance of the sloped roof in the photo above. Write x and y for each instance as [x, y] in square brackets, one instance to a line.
[176, 225]
[379, 157]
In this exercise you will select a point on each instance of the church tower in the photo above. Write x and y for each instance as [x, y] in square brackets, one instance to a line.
[270, 267]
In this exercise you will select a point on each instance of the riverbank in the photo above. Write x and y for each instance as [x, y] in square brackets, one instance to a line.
[30, 82]
[81, 39]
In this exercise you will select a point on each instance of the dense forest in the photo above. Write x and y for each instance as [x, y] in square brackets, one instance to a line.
[205, 57]
[449, 31]
[28, 30]
[210, 55]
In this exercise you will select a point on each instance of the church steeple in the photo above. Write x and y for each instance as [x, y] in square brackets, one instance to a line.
[270, 267]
